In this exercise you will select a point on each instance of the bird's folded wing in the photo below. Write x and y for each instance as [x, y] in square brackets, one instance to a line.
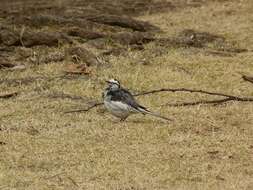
[126, 97]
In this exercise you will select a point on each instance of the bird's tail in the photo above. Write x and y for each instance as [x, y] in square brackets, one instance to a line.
[145, 111]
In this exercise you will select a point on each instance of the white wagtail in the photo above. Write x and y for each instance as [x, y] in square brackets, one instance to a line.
[121, 103]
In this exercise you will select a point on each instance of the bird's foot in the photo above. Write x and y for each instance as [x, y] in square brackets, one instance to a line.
[122, 119]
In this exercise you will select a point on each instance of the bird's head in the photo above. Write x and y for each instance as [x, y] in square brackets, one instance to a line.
[113, 84]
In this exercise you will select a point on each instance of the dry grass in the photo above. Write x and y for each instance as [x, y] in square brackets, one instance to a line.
[206, 147]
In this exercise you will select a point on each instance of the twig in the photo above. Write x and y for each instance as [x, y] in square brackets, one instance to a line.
[6, 65]
[247, 78]
[199, 102]
[9, 95]
[86, 109]
[226, 99]
[220, 101]
[73, 181]
[191, 91]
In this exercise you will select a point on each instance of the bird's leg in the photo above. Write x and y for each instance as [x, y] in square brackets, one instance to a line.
[123, 119]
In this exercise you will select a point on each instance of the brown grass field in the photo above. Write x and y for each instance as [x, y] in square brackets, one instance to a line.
[204, 147]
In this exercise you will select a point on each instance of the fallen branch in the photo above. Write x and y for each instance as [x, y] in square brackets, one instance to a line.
[6, 65]
[86, 109]
[247, 78]
[194, 91]
[123, 21]
[9, 95]
[215, 102]
[73, 181]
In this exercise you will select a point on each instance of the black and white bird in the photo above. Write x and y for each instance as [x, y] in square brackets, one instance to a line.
[121, 103]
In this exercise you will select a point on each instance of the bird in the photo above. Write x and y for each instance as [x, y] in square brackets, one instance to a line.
[121, 103]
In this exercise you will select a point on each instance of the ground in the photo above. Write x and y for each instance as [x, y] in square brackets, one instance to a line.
[55, 57]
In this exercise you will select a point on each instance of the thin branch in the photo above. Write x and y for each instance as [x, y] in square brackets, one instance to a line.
[220, 101]
[200, 102]
[194, 91]
[86, 109]
[247, 78]
[215, 102]
[73, 181]
[9, 95]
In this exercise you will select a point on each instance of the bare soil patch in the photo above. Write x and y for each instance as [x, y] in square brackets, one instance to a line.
[99, 24]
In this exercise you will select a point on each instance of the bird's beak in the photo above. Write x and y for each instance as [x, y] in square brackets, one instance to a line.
[107, 81]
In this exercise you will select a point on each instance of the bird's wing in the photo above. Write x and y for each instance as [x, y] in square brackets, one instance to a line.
[128, 98]
[125, 96]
